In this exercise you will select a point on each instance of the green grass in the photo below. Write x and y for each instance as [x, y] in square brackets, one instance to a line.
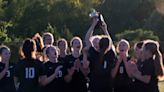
[161, 86]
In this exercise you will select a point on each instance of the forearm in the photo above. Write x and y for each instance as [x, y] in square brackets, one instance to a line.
[143, 78]
[115, 70]
[2, 74]
[47, 80]
[16, 83]
[85, 71]
[105, 30]
[89, 35]
[127, 69]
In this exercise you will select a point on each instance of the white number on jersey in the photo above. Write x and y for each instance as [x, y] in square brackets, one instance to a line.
[60, 74]
[7, 73]
[29, 73]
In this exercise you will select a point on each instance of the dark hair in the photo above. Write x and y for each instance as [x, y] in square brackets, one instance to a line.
[105, 44]
[138, 45]
[62, 40]
[39, 42]
[28, 47]
[153, 47]
[75, 38]
[3, 47]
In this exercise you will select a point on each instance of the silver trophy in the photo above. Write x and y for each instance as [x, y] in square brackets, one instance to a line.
[98, 16]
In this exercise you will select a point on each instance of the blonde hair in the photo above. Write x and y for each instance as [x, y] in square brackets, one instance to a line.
[94, 37]
[122, 41]
[48, 34]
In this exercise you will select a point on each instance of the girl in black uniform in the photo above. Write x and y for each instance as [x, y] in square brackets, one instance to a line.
[48, 39]
[101, 64]
[147, 74]
[76, 75]
[6, 71]
[63, 48]
[54, 70]
[29, 71]
[122, 80]
[101, 58]
[138, 50]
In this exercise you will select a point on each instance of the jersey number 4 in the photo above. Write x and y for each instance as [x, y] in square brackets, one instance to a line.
[30, 73]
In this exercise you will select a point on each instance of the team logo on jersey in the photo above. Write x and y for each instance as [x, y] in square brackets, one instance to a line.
[8, 73]
[105, 64]
[60, 74]
[11, 67]
[29, 72]
[50, 68]
[121, 70]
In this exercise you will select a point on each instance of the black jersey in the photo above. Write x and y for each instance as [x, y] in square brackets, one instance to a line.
[28, 73]
[100, 73]
[122, 82]
[7, 82]
[63, 59]
[58, 84]
[78, 82]
[147, 68]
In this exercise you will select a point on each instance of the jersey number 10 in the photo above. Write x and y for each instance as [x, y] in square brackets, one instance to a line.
[29, 73]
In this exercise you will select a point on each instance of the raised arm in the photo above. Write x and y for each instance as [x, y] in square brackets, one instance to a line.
[90, 33]
[104, 27]
[44, 80]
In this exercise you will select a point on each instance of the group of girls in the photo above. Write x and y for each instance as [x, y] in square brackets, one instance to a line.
[46, 66]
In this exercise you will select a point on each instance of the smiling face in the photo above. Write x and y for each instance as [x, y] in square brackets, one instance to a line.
[123, 47]
[77, 45]
[62, 45]
[48, 40]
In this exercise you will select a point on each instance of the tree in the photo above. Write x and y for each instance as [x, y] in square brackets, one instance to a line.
[53, 30]
[3, 32]
[137, 35]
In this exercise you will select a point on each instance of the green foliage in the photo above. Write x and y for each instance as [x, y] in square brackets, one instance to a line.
[65, 33]
[137, 35]
[3, 32]
[53, 30]
[67, 18]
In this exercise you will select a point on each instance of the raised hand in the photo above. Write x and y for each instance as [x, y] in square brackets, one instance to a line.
[71, 71]
[77, 64]
[94, 21]
[104, 25]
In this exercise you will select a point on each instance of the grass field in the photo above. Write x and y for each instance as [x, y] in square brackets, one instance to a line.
[161, 86]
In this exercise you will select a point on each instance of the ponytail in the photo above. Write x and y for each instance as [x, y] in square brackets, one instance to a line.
[105, 45]
[101, 55]
[158, 64]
